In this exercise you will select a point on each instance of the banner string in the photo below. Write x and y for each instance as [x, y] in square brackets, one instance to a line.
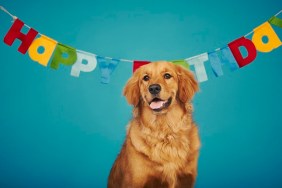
[278, 13]
[7, 12]
[123, 60]
[253, 31]
[248, 33]
[13, 16]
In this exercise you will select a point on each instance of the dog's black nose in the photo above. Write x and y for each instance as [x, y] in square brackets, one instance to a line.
[154, 89]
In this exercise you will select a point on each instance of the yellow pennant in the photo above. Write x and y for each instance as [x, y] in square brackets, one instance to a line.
[49, 46]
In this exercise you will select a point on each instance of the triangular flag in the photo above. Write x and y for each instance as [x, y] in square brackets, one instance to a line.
[137, 64]
[182, 63]
[275, 21]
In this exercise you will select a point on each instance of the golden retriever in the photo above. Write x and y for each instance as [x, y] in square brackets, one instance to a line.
[162, 144]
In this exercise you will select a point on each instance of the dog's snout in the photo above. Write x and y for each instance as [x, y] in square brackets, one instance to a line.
[154, 89]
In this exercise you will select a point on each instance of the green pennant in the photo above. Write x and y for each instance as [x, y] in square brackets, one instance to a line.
[275, 21]
[183, 63]
[63, 54]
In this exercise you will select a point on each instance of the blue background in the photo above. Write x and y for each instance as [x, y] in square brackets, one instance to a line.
[60, 131]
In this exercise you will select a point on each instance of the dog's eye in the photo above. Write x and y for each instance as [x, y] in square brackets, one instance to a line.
[146, 78]
[167, 76]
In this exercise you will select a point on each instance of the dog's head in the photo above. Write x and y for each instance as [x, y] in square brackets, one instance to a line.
[160, 85]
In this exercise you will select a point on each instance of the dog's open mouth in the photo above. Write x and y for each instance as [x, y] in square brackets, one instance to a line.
[158, 104]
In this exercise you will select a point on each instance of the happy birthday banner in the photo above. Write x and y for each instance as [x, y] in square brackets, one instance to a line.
[47, 51]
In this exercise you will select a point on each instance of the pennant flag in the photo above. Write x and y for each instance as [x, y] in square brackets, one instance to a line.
[182, 63]
[63, 54]
[80, 66]
[15, 33]
[265, 30]
[107, 66]
[249, 46]
[215, 63]
[228, 58]
[137, 64]
[275, 21]
[198, 63]
[222, 57]
[47, 44]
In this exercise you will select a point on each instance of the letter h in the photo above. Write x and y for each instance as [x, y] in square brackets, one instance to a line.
[15, 33]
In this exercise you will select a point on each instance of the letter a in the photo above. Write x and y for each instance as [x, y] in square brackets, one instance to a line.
[265, 30]
[49, 46]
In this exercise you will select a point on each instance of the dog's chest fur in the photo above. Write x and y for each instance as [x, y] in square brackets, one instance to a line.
[166, 143]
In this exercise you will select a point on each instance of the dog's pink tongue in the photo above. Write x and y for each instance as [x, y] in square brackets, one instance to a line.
[156, 104]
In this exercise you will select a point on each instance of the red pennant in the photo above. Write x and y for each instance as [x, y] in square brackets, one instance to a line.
[250, 47]
[137, 64]
[15, 33]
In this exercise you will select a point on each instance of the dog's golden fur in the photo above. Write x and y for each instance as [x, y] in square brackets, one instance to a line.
[162, 146]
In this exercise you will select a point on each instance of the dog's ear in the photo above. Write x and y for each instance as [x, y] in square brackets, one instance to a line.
[187, 84]
[131, 90]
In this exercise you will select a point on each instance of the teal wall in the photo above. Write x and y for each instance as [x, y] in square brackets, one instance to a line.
[60, 131]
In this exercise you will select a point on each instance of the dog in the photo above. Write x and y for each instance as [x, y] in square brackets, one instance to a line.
[162, 144]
